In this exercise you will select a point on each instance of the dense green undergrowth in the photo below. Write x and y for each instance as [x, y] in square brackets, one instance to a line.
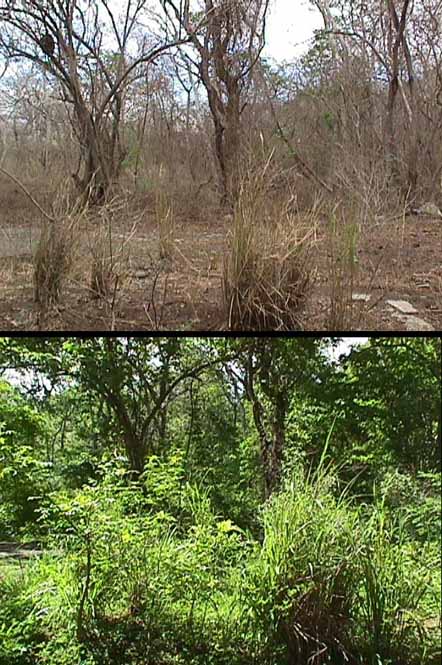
[241, 501]
[148, 574]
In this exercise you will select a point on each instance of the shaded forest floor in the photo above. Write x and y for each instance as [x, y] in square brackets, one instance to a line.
[396, 259]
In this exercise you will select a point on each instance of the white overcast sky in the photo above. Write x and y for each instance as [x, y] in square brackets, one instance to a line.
[290, 24]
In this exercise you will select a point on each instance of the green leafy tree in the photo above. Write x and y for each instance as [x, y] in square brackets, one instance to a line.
[24, 471]
[135, 378]
[384, 400]
[272, 370]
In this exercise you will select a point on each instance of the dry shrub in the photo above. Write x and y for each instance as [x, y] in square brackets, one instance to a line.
[109, 254]
[181, 164]
[367, 186]
[102, 272]
[52, 262]
[266, 274]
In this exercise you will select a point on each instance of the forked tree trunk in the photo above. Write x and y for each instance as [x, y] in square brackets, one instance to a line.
[102, 157]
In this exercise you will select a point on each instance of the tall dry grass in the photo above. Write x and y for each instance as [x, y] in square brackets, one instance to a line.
[267, 276]
[342, 241]
[55, 253]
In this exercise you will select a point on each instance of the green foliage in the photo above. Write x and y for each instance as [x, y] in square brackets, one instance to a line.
[123, 583]
[215, 450]
[302, 581]
[417, 500]
[24, 476]
[138, 583]
[395, 605]
[20, 632]
[140, 465]
[163, 480]
[329, 120]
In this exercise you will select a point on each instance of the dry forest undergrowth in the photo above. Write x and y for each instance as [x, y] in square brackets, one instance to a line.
[172, 279]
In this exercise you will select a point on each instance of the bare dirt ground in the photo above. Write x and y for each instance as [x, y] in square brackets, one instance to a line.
[398, 260]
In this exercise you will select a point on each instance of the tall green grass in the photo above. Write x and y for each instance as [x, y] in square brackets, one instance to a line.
[395, 608]
[336, 583]
[302, 580]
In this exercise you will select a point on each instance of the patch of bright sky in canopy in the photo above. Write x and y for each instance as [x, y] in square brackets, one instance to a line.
[290, 27]
[345, 346]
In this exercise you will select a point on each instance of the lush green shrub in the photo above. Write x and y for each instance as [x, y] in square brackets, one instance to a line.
[136, 583]
[24, 480]
[21, 632]
[148, 574]
[23, 474]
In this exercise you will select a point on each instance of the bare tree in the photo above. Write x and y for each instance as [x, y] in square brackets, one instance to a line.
[86, 47]
[382, 30]
[397, 39]
[227, 50]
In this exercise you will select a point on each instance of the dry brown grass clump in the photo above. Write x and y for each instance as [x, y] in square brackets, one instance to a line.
[54, 256]
[266, 272]
[108, 261]
[108, 256]
[52, 262]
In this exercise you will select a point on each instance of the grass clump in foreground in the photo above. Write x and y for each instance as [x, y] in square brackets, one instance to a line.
[324, 581]
[266, 274]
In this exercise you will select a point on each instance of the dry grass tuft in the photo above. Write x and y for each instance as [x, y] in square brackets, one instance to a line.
[103, 271]
[52, 262]
[101, 274]
[109, 255]
[165, 218]
[266, 273]
[342, 268]
[54, 256]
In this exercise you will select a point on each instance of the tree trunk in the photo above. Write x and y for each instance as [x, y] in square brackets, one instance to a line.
[232, 145]
[397, 40]
[278, 443]
[270, 425]
[102, 156]
[227, 152]
[390, 134]
[220, 158]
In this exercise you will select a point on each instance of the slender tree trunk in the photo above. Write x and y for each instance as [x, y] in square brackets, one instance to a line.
[278, 427]
[220, 157]
[142, 130]
[270, 425]
[232, 148]
[390, 133]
